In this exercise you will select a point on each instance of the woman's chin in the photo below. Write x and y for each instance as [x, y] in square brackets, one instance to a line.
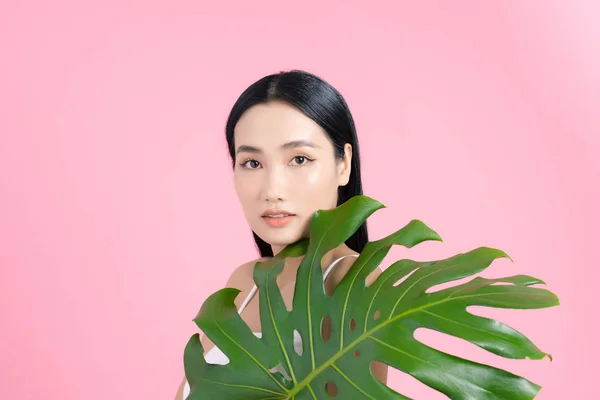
[281, 237]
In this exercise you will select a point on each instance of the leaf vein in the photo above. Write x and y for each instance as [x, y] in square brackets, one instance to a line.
[252, 357]
[352, 383]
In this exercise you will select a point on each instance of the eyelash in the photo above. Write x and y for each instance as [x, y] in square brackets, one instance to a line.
[308, 159]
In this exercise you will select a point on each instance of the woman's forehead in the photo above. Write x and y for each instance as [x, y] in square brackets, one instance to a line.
[273, 125]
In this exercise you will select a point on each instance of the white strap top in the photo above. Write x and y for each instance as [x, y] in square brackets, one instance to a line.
[216, 356]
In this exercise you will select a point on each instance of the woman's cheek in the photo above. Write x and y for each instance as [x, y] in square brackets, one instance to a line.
[246, 183]
[313, 177]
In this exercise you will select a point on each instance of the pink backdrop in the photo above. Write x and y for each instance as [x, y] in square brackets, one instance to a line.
[117, 211]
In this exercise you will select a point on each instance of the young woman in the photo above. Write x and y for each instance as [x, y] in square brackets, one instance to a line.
[294, 150]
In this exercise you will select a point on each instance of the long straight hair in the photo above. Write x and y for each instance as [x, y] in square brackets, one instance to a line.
[322, 103]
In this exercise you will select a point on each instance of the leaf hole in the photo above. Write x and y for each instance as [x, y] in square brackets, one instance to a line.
[412, 388]
[405, 277]
[331, 388]
[288, 301]
[446, 285]
[279, 368]
[298, 342]
[376, 365]
[220, 359]
[376, 315]
[371, 278]
[352, 324]
[326, 328]
[329, 289]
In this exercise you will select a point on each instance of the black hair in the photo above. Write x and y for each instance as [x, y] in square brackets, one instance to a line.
[322, 103]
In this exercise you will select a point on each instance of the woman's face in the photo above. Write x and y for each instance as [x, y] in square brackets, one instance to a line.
[285, 161]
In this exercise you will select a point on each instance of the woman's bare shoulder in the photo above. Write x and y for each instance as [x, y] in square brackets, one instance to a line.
[242, 276]
[242, 279]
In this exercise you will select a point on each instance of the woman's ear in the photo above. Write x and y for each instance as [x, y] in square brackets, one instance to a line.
[345, 166]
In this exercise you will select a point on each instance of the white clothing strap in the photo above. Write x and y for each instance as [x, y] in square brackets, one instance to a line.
[248, 298]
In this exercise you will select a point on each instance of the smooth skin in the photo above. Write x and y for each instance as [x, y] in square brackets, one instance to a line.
[284, 160]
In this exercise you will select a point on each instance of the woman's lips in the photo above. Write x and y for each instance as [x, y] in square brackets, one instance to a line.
[278, 222]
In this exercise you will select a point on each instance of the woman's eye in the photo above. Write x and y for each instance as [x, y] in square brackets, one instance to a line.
[253, 164]
[302, 160]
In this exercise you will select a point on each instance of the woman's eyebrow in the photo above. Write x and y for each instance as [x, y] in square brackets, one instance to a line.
[289, 145]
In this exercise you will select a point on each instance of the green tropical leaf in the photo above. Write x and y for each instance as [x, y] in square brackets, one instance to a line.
[368, 323]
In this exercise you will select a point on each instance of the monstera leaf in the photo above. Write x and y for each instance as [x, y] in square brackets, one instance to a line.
[375, 322]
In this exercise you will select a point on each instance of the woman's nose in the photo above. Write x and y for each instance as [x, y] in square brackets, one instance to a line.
[274, 185]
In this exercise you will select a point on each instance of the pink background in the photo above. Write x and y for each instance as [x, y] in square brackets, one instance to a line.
[117, 210]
